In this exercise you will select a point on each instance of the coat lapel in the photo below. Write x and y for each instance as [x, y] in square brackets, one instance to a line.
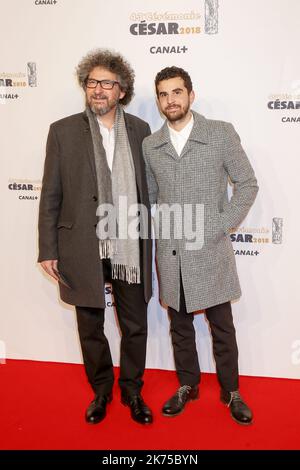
[89, 146]
[164, 141]
[199, 133]
[135, 151]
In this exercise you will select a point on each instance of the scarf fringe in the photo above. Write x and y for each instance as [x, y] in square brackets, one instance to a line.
[130, 274]
[106, 248]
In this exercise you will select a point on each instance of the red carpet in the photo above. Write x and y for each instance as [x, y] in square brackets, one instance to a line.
[43, 405]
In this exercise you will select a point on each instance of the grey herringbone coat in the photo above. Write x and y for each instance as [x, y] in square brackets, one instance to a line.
[200, 176]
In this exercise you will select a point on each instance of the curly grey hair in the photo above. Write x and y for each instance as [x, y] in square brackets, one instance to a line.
[113, 62]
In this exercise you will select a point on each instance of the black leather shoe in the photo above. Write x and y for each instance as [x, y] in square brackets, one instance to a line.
[240, 412]
[96, 411]
[140, 412]
[177, 402]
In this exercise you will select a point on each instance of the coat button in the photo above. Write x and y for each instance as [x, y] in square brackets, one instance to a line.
[174, 252]
[95, 198]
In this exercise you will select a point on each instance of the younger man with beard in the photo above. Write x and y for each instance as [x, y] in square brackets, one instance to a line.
[188, 161]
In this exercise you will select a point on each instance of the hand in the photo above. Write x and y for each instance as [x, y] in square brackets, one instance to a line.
[48, 266]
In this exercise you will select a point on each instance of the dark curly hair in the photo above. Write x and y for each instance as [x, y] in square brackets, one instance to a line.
[113, 62]
[173, 72]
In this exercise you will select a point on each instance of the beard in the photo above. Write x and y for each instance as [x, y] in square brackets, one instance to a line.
[103, 108]
[178, 113]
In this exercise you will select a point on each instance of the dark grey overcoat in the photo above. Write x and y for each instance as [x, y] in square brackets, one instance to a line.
[69, 199]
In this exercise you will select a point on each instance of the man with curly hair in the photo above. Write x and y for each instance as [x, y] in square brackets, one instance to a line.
[94, 159]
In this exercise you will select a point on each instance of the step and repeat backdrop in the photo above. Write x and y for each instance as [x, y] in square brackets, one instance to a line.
[243, 57]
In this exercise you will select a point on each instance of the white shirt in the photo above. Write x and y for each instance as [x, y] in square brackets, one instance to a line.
[108, 140]
[179, 138]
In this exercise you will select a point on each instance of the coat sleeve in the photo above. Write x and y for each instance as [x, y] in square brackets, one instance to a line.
[151, 181]
[51, 199]
[243, 178]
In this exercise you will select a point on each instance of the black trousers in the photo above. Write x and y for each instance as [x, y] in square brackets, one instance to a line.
[132, 316]
[224, 344]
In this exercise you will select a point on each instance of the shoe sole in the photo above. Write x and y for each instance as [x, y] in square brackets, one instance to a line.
[241, 422]
[181, 411]
[96, 421]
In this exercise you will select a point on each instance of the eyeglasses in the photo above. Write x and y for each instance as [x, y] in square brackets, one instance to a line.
[105, 84]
